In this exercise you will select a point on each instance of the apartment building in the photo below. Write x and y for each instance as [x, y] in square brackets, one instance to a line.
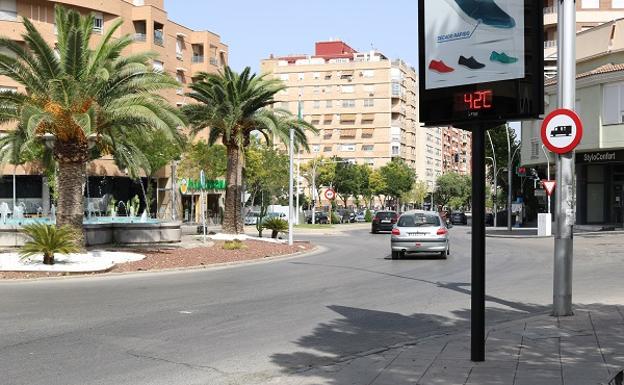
[589, 13]
[182, 52]
[364, 105]
[600, 105]
[456, 150]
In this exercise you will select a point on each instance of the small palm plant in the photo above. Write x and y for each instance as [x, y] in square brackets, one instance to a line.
[49, 239]
[276, 225]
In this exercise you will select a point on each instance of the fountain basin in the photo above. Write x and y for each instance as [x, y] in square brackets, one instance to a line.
[103, 231]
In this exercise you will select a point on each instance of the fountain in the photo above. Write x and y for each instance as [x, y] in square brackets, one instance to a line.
[143, 217]
[18, 211]
[53, 213]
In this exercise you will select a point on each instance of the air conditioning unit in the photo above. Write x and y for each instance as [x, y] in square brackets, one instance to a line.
[371, 94]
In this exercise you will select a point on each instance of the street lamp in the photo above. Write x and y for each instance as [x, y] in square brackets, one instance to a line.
[547, 172]
[495, 173]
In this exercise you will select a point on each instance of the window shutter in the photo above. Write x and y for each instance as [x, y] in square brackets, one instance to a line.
[611, 104]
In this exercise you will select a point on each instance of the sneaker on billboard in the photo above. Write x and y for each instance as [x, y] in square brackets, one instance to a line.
[487, 12]
[439, 67]
[470, 62]
[502, 58]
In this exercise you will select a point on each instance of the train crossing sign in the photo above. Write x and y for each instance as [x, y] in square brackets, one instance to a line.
[330, 194]
[562, 131]
[549, 186]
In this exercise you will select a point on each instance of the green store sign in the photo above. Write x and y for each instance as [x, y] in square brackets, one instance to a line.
[196, 185]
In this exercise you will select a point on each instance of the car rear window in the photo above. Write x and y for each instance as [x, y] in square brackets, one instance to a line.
[419, 220]
[385, 214]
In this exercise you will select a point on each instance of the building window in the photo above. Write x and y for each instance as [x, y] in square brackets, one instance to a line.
[369, 161]
[369, 88]
[348, 103]
[8, 10]
[98, 21]
[535, 143]
[327, 148]
[368, 73]
[368, 147]
[301, 76]
[316, 104]
[179, 47]
[347, 147]
[316, 75]
[158, 65]
[590, 4]
[613, 103]
[369, 102]
[396, 149]
[346, 89]
[283, 77]
[328, 103]
[316, 148]
[8, 89]
[317, 90]
[617, 4]
[327, 134]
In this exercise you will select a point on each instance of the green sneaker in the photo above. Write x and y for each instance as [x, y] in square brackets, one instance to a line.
[502, 58]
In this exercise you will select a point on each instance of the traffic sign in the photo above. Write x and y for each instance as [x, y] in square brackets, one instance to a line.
[549, 186]
[562, 131]
[330, 194]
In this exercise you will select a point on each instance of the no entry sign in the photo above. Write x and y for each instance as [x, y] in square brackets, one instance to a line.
[562, 131]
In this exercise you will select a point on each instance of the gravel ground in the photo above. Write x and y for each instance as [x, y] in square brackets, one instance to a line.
[172, 258]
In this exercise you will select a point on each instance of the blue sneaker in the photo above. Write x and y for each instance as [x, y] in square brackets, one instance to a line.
[502, 58]
[487, 12]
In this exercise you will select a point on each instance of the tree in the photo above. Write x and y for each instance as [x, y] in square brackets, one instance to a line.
[377, 185]
[453, 186]
[232, 106]
[266, 173]
[200, 156]
[361, 179]
[417, 194]
[398, 178]
[80, 97]
[499, 140]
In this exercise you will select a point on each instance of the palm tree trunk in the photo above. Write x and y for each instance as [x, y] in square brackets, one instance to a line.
[232, 219]
[71, 177]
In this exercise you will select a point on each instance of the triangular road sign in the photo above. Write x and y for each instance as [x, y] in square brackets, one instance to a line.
[549, 186]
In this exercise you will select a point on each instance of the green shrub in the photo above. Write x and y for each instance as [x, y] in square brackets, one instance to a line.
[335, 219]
[276, 225]
[236, 244]
[368, 216]
[49, 240]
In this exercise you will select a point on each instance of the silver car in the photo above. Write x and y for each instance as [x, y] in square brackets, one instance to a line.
[420, 231]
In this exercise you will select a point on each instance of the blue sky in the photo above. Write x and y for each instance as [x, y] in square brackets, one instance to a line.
[255, 29]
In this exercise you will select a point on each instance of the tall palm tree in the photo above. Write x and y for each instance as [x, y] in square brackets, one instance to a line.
[84, 99]
[233, 106]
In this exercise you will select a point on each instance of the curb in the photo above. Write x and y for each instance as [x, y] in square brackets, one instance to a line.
[582, 234]
[107, 274]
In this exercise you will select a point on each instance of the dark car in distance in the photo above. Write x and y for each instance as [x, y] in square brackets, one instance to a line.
[319, 218]
[458, 218]
[384, 221]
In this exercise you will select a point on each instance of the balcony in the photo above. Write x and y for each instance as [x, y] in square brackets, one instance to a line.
[214, 61]
[159, 38]
[550, 44]
[139, 37]
[197, 59]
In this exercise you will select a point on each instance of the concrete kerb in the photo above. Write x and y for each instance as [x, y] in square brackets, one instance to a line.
[108, 274]
[576, 234]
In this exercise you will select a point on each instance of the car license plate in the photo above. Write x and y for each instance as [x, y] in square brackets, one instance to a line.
[417, 244]
[385, 221]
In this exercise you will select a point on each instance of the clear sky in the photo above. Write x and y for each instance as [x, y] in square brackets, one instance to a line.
[255, 29]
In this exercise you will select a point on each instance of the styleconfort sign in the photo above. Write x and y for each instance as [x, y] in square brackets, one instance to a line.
[187, 185]
[480, 60]
[600, 157]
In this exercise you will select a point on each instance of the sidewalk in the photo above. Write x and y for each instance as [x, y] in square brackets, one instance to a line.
[585, 349]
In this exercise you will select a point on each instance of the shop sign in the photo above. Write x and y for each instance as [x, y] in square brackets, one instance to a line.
[600, 156]
[196, 185]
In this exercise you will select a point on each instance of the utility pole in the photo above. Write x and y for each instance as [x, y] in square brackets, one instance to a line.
[495, 181]
[291, 146]
[509, 180]
[314, 191]
[564, 218]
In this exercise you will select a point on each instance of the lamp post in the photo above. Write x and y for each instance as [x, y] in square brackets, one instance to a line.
[509, 175]
[495, 177]
[547, 173]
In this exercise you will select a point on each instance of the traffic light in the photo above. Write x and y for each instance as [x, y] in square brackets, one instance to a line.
[521, 171]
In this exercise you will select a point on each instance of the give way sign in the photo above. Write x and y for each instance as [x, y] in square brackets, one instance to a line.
[549, 186]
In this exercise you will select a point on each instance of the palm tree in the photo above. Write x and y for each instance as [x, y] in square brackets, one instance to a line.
[85, 101]
[233, 106]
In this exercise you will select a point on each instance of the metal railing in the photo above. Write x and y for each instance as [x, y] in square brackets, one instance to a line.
[139, 37]
[197, 59]
[159, 38]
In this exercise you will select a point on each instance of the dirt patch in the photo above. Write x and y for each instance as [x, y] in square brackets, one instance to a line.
[173, 258]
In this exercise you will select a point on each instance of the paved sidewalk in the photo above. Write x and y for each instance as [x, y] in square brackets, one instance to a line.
[585, 349]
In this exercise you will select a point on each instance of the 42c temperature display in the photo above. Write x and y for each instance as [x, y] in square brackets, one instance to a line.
[474, 101]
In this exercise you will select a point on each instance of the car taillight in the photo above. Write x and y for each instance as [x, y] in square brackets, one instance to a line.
[393, 220]
[375, 220]
[442, 231]
[396, 231]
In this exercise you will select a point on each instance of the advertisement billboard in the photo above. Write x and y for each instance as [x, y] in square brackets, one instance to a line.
[480, 60]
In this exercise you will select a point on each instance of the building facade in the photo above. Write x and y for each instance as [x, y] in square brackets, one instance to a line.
[182, 52]
[456, 151]
[600, 105]
[364, 105]
[589, 13]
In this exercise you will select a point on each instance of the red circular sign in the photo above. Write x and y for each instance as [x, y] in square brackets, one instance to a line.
[330, 194]
[562, 131]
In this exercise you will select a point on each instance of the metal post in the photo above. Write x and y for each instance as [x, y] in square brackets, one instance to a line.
[566, 63]
[547, 172]
[203, 208]
[477, 297]
[495, 181]
[313, 191]
[14, 189]
[174, 210]
[297, 188]
[290, 186]
[509, 179]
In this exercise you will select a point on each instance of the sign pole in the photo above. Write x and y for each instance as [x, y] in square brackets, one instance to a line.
[564, 218]
[477, 292]
[290, 187]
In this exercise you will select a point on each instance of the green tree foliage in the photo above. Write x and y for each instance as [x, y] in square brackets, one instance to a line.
[49, 240]
[276, 225]
[453, 187]
[417, 194]
[266, 173]
[499, 140]
[377, 185]
[80, 94]
[233, 106]
[200, 156]
[398, 178]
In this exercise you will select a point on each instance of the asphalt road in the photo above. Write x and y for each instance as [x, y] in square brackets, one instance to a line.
[250, 323]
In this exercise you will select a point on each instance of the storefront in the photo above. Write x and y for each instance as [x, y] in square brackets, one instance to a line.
[214, 193]
[600, 188]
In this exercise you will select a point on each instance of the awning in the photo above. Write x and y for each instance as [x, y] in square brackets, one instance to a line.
[348, 133]
[367, 132]
[368, 117]
[346, 73]
[347, 117]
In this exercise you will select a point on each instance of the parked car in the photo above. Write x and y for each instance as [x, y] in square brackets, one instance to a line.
[251, 218]
[459, 218]
[383, 220]
[319, 217]
[360, 217]
[420, 231]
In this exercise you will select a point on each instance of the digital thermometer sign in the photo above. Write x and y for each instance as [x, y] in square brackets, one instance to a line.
[474, 101]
